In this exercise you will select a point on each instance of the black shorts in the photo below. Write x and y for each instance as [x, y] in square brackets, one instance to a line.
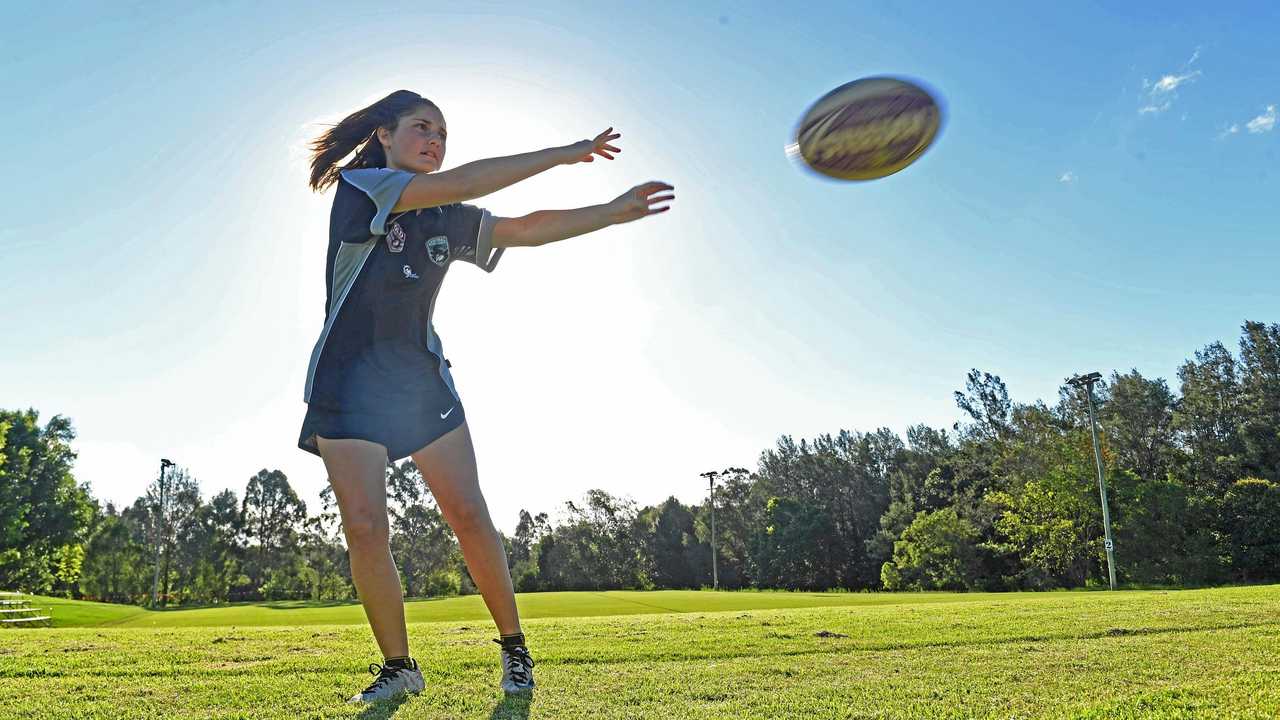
[402, 433]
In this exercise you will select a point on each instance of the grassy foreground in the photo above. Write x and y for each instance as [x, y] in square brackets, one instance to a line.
[1184, 654]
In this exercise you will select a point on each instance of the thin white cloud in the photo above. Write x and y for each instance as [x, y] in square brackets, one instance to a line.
[1265, 122]
[1067, 177]
[1169, 83]
[1160, 95]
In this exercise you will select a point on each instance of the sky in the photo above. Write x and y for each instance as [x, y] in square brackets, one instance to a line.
[1102, 197]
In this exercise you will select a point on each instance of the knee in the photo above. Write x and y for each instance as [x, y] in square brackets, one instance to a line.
[470, 519]
[366, 529]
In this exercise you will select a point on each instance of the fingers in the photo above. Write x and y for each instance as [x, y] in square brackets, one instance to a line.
[604, 150]
[649, 188]
[652, 201]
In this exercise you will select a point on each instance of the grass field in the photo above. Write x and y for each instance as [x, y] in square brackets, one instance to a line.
[1140, 654]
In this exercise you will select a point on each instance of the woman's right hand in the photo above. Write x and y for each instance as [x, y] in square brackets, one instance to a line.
[586, 150]
[640, 201]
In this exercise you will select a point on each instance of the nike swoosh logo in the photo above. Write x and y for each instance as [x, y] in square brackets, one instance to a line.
[445, 414]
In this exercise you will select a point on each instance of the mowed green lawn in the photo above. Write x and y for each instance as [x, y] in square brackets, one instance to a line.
[663, 655]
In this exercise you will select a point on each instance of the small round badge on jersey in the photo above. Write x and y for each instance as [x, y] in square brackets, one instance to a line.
[395, 238]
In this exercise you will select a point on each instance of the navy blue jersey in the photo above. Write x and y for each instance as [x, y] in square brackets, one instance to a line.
[378, 351]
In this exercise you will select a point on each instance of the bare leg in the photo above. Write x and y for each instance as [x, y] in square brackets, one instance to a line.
[357, 472]
[449, 467]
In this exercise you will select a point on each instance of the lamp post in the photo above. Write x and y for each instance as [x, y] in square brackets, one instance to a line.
[1087, 382]
[715, 573]
[155, 580]
[711, 482]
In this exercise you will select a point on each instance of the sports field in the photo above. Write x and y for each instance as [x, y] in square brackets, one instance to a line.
[1136, 654]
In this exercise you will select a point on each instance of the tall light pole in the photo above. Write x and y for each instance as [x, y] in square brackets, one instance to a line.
[1087, 382]
[155, 580]
[715, 573]
[711, 481]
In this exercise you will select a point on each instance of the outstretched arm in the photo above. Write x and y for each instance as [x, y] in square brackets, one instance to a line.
[481, 177]
[547, 226]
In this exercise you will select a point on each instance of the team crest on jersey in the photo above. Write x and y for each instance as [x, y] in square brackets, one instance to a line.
[438, 249]
[395, 238]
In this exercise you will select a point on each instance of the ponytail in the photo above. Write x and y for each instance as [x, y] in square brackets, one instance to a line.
[358, 132]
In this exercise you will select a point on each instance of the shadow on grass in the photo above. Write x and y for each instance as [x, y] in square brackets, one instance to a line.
[513, 707]
[301, 604]
[383, 709]
[273, 604]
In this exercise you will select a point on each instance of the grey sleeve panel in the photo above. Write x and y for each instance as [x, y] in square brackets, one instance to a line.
[383, 186]
[484, 243]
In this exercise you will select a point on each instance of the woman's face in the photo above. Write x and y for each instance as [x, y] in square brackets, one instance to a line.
[417, 144]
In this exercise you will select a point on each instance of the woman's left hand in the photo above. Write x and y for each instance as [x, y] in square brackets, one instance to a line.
[586, 150]
[639, 202]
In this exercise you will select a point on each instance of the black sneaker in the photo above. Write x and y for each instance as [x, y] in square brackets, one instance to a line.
[390, 682]
[517, 668]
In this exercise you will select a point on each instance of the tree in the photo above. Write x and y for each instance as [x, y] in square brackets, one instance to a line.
[45, 515]
[1137, 419]
[209, 554]
[1163, 533]
[986, 401]
[739, 508]
[594, 549]
[529, 530]
[1049, 516]
[173, 507]
[793, 546]
[116, 567]
[1250, 522]
[988, 459]
[522, 560]
[327, 566]
[421, 541]
[1260, 400]
[824, 502]
[916, 483]
[938, 551]
[1208, 418]
[676, 556]
[271, 516]
[226, 525]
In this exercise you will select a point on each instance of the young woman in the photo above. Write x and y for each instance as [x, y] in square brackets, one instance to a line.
[378, 385]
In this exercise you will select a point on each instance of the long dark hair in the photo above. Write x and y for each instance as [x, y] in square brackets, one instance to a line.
[358, 130]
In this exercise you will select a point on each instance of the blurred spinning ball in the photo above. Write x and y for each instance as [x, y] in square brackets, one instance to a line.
[867, 129]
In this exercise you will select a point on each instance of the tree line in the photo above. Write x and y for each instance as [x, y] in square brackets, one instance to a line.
[1006, 499]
